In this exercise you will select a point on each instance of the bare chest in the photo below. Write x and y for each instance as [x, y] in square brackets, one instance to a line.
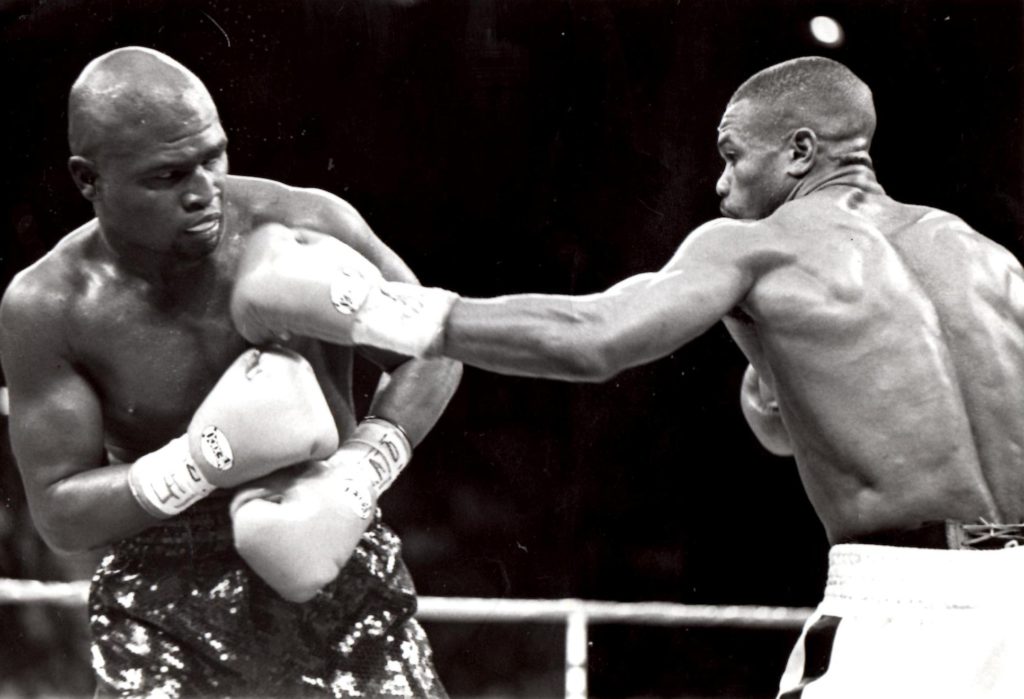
[152, 364]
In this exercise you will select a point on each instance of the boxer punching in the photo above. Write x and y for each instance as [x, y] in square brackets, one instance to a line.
[886, 353]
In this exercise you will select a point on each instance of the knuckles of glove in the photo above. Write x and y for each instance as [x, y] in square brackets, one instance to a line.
[294, 532]
[285, 275]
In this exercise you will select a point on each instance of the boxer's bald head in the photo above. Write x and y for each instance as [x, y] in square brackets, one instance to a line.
[130, 93]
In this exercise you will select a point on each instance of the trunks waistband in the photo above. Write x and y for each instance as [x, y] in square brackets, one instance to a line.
[872, 577]
[949, 535]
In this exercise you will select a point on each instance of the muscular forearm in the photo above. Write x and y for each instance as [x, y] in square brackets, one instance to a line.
[589, 337]
[553, 337]
[90, 510]
[415, 394]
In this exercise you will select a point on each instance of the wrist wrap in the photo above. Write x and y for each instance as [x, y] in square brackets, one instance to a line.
[382, 451]
[166, 482]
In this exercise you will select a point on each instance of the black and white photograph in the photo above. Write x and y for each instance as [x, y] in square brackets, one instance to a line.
[512, 349]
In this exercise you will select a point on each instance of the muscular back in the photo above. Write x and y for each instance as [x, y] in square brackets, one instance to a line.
[895, 338]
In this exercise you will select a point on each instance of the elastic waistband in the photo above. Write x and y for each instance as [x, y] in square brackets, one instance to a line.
[925, 578]
[949, 534]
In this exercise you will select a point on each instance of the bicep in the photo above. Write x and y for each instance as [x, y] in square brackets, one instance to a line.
[651, 315]
[56, 424]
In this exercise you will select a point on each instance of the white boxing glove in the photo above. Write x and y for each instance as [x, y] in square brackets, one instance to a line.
[760, 407]
[265, 412]
[297, 530]
[310, 284]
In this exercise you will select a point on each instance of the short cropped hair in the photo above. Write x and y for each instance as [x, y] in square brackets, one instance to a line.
[815, 92]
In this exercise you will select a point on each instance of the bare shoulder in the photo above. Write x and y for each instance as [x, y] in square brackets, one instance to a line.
[256, 194]
[308, 211]
[57, 274]
[264, 201]
[724, 233]
[947, 231]
[743, 243]
[35, 303]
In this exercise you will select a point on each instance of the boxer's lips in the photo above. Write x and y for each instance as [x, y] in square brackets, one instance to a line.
[208, 224]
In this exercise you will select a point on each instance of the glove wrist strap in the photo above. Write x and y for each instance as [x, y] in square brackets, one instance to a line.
[388, 450]
[395, 316]
[383, 452]
[166, 482]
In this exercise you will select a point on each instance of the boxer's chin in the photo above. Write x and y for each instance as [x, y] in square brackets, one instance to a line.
[197, 245]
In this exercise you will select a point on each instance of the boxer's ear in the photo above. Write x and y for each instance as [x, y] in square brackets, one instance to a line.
[84, 173]
[803, 151]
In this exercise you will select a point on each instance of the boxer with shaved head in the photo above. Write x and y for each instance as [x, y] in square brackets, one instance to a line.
[139, 412]
[886, 354]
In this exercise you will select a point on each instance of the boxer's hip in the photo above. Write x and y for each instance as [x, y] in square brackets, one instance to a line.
[176, 606]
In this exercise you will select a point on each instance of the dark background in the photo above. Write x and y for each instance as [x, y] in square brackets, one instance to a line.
[541, 145]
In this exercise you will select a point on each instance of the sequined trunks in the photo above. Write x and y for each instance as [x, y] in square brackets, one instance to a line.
[175, 612]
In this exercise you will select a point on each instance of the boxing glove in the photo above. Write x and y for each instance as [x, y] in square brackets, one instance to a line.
[266, 412]
[297, 530]
[760, 407]
[314, 285]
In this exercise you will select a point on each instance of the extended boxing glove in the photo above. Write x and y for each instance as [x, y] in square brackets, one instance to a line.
[266, 411]
[314, 285]
[297, 530]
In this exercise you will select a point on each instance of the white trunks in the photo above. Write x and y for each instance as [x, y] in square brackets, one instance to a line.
[909, 623]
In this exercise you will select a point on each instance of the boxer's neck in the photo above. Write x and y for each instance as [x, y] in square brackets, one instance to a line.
[859, 175]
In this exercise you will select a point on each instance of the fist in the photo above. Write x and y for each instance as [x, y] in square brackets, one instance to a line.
[298, 528]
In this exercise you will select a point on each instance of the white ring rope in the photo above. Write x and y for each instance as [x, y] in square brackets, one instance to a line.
[575, 614]
[652, 613]
[64, 594]
[479, 609]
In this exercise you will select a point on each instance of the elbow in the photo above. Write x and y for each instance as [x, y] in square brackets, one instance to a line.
[67, 538]
[59, 525]
[58, 522]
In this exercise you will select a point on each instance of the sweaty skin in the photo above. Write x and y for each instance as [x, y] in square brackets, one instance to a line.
[112, 340]
[891, 335]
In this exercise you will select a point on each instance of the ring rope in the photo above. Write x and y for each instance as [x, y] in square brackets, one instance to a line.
[470, 609]
[576, 614]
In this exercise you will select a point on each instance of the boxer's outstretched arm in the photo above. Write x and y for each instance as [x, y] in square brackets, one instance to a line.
[299, 531]
[594, 337]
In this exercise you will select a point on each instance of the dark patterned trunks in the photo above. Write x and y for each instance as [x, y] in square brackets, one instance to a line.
[175, 612]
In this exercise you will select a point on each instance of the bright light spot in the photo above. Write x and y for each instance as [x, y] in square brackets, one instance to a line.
[826, 31]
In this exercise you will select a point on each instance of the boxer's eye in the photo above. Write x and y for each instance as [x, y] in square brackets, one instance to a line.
[167, 176]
